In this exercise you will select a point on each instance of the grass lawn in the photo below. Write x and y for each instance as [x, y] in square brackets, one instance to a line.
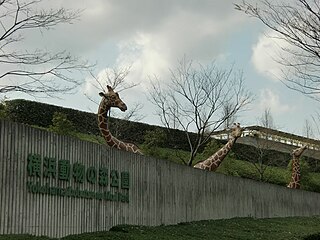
[236, 228]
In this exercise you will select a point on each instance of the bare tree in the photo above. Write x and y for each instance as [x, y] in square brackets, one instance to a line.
[297, 23]
[37, 71]
[266, 119]
[194, 98]
[308, 129]
[315, 120]
[227, 111]
[115, 77]
[261, 155]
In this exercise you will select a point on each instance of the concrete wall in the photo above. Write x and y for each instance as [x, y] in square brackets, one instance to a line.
[160, 192]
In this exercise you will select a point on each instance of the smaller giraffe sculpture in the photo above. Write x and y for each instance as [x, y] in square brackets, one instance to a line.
[295, 176]
[112, 99]
[214, 161]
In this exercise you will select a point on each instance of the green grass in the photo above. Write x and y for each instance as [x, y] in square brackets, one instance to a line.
[89, 138]
[173, 155]
[236, 228]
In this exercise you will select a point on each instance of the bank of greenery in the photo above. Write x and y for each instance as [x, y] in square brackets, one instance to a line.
[84, 122]
[158, 142]
[236, 228]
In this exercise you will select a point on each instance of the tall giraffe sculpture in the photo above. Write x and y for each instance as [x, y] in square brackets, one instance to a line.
[295, 175]
[112, 99]
[214, 161]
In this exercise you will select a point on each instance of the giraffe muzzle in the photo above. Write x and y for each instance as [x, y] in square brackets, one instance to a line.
[123, 108]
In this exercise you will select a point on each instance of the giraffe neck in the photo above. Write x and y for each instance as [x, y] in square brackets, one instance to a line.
[214, 161]
[295, 176]
[103, 124]
[111, 140]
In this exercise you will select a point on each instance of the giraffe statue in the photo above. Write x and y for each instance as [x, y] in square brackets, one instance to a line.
[213, 162]
[112, 99]
[295, 176]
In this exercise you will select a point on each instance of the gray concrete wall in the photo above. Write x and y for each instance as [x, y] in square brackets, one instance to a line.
[160, 192]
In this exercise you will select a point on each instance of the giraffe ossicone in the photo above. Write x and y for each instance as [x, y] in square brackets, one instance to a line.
[296, 175]
[214, 161]
[109, 100]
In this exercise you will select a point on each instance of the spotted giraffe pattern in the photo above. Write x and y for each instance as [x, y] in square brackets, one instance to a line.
[112, 99]
[214, 161]
[295, 176]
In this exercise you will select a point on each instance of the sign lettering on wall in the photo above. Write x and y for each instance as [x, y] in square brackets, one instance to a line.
[112, 184]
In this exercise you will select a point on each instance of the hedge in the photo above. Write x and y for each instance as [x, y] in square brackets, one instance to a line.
[41, 114]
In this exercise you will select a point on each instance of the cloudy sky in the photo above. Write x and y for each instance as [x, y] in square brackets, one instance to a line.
[152, 35]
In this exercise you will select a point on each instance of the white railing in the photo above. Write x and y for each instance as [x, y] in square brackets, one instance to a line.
[270, 137]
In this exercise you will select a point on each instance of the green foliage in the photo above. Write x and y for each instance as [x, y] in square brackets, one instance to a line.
[312, 183]
[231, 166]
[61, 125]
[89, 137]
[210, 148]
[2, 111]
[277, 176]
[153, 139]
[173, 155]
[267, 156]
[41, 114]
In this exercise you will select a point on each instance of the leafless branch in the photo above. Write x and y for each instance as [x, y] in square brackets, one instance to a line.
[194, 98]
[117, 79]
[35, 72]
[297, 23]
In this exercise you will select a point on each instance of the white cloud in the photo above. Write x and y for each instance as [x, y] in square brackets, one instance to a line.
[271, 100]
[146, 55]
[196, 34]
[265, 54]
[150, 35]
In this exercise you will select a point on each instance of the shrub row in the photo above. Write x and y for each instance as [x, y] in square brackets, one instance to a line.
[41, 114]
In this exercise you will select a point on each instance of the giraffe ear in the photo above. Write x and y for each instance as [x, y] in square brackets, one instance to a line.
[110, 89]
[102, 94]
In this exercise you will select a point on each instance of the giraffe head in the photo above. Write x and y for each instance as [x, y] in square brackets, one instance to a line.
[112, 99]
[236, 130]
[298, 151]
